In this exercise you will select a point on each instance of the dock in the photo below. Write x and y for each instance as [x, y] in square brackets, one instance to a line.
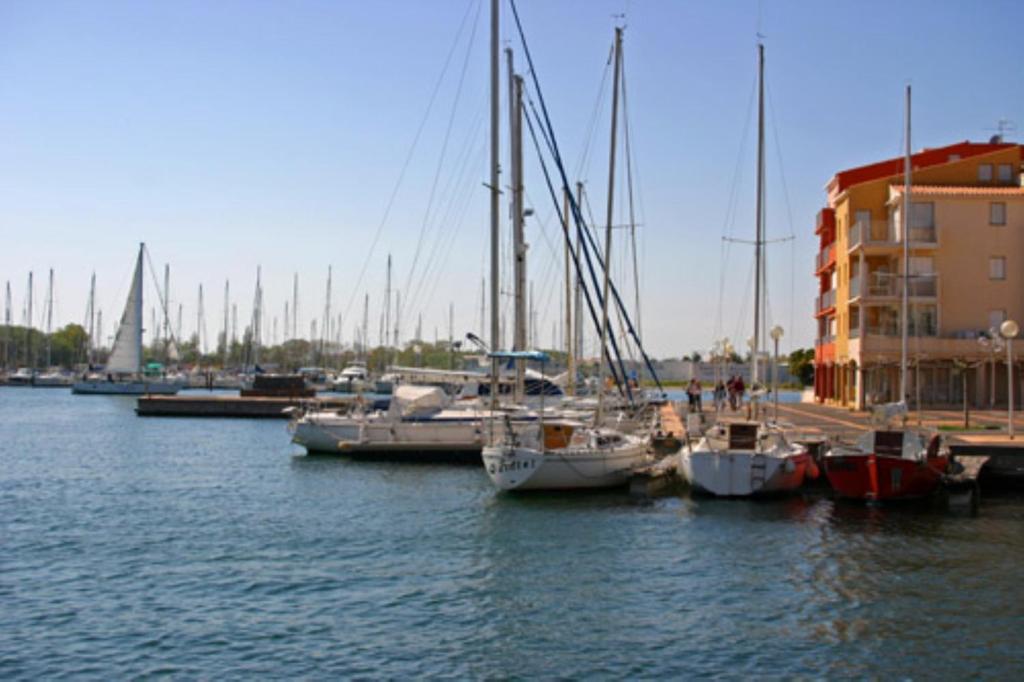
[231, 406]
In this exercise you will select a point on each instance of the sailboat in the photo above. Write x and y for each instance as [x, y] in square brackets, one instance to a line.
[891, 462]
[124, 370]
[563, 453]
[749, 457]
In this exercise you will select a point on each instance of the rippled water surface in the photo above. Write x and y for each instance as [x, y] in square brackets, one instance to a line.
[212, 548]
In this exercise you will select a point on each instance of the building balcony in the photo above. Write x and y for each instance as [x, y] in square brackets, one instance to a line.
[825, 302]
[826, 221]
[885, 285]
[826, 258]
[881, 236]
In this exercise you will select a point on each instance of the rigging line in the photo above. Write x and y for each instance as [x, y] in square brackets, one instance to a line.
[731, 207]
[744, 302]
[161, 295]
[789, 212]
[574, 253]
[408, 160]
[456, 198]
[584, 160]
[454, 220]
[629, 185]
[444, 147]
[580, 224]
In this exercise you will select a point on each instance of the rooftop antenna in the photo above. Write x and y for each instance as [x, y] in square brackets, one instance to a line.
[1003, 126]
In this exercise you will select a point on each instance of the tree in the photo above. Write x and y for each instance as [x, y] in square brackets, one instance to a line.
[801, 365]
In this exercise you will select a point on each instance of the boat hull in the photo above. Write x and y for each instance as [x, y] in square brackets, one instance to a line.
[739, 474]
[879, 477]
[513, 468]
[125, 388]
[421, 440]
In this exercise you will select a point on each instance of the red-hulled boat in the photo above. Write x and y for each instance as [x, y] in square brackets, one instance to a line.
[888, 465]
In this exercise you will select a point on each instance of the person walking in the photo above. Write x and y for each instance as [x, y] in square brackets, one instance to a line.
[720, 396]
[693, 392]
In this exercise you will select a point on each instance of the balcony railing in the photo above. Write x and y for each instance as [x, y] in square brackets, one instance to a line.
[825, 257]
[826, 300]
[871, 233]
[916, 329]
[886, 284]
[884, 233]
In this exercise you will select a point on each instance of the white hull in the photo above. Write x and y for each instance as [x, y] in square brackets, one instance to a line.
[514, 468]
[125, 387]
[384, 435]
[733, 474]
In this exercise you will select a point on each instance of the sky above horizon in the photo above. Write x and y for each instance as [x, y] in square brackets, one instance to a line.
[301, 135]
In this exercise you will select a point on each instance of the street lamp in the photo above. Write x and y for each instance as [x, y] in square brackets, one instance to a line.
[1009, 330]
[776, 334]
[994, 343]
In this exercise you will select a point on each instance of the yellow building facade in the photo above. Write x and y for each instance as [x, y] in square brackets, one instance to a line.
[966, 241]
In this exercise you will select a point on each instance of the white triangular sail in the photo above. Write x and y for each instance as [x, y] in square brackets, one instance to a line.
[126, 356]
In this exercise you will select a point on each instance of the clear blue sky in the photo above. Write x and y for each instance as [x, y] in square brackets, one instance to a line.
[232, 134]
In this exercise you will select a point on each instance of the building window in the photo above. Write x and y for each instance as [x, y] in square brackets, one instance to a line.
[995, 318]
[922, 214]
[997, 213]
[997, 267]
[985, 172]
[1005, 173]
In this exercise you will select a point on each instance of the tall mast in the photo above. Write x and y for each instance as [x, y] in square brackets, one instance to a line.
[387, 307]
[29, 358]
[366, 326]
[137, 281]
[520, 340]
[608, 228]
[570, 355]
[577, 327]
[199, 323]
[398, 308]
[295, 307]
[49, 319]
[759, 235]
[7, 325]
[227, 323]
[92, 318]
[325, 332]
[495, 236]
[257, 314]
[167, 302]
[905, 298]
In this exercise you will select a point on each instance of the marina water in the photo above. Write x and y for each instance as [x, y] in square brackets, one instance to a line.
[215, 549]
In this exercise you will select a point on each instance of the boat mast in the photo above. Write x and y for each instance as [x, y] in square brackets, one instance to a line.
[49, 319]
[904, 300]
[759, 229]
[199, 324]
[29, 358]
[138, 306]
[325, 331]
[227, 321]
[570, 356]
[386, 335]
[495, 236]
[92, 319]
[167, 306]
[608, 227]
[7, 325]
[520, 340]
[366, 327]
[295, 306]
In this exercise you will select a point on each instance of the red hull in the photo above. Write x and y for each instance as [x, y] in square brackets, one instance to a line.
[881, 477]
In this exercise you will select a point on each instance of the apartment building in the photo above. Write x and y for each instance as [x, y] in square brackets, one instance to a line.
[966, 239]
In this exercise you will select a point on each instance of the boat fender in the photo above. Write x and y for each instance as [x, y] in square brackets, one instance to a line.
[812, 469]
[789, 467]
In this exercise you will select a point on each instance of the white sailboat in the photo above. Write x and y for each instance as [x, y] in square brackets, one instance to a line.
[744, 458]
[124, 371]
[563, 454]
